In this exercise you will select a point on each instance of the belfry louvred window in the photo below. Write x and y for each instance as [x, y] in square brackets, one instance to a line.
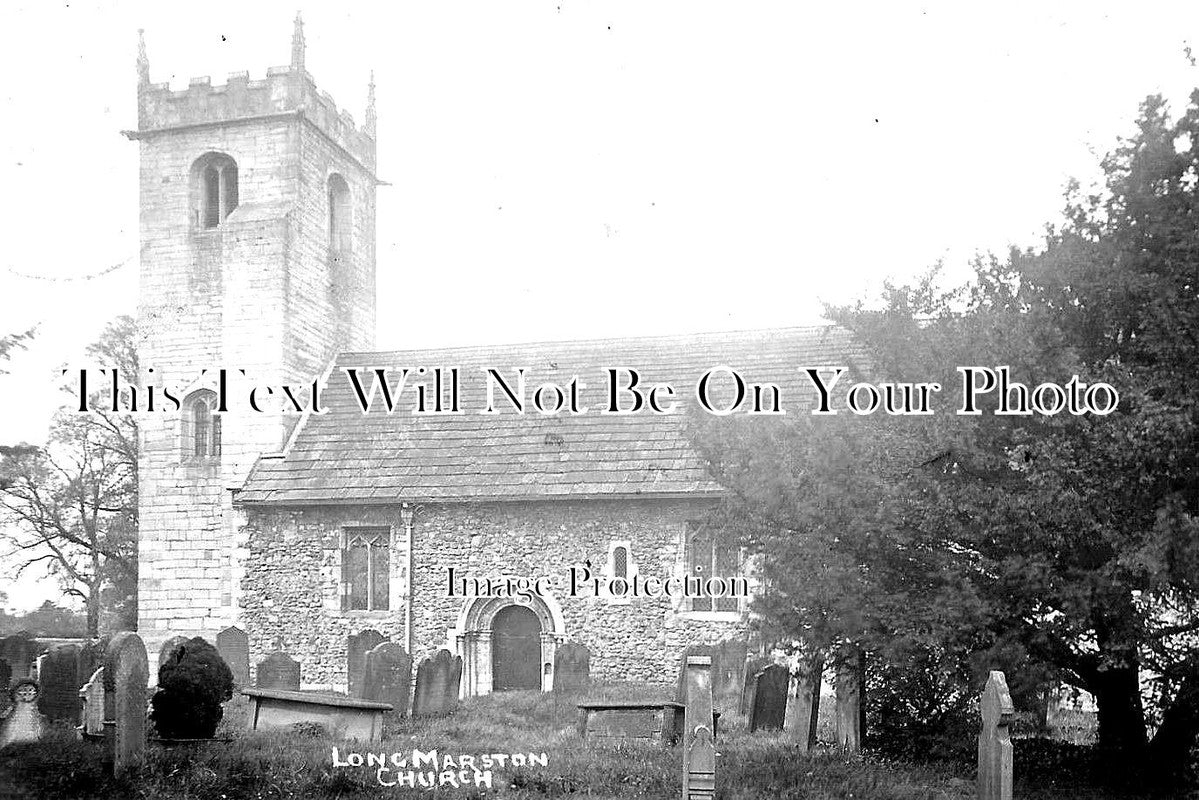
[217, 189]
[365, 561]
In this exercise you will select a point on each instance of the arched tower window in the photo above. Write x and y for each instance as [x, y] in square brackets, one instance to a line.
[215, 184]
[341, 218]
[202, 427]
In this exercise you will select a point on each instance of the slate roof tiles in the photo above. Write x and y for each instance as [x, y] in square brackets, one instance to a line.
[346, 456]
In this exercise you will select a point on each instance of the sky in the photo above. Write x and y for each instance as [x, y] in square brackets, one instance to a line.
[561, 170]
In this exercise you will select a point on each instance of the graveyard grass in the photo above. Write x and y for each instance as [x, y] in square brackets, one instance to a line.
[286, 763]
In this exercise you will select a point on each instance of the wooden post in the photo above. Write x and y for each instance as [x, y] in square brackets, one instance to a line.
[699, 749]
[994, 741]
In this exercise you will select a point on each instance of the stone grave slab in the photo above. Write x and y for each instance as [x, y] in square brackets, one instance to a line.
[387, 676]
[357, 646]
[768, 705]
[279, 671]
[234, 646]
[572, 668]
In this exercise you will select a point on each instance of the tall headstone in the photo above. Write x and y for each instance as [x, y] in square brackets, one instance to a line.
[752, 667]
[234, 646]
[168, 649]
[994, 740]
[728, 674]
[437, 681]
[357, 646]
[5, 681]
[803, 704]
[768, 704]
[92, 697]
[58, 681]
[699, 746]
[387, 677]
[572, 668]
[24, 722]
[453, 685]
[125, 677]
[18, 650]
[680, 689]
[849, 703]
[90, 658]
[279, 671]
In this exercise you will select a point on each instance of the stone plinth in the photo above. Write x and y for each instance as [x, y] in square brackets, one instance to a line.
[648, 721]
[346, 717]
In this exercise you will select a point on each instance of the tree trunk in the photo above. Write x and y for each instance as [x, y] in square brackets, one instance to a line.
[1171, 745]
[93, 610]
[1117, 692]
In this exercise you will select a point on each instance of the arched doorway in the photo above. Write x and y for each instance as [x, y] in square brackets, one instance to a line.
[516, 649]
[508, 645]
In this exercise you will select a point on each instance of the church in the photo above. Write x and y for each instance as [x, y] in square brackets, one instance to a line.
[257, 230]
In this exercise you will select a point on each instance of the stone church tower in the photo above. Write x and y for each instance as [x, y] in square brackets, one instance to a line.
[257, 231]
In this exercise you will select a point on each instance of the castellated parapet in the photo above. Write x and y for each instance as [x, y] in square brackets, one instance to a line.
[284, 92]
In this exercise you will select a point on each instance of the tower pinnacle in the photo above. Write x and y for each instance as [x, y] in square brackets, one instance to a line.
[371, 118]
[143, 63]
[297, 45]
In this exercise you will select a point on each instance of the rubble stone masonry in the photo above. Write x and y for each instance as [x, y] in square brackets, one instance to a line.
[291, 593]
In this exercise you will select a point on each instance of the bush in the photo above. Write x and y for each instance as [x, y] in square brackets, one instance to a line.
[192, 684]
[922, 709]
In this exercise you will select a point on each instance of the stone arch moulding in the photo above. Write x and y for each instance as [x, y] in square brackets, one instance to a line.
[472, 638]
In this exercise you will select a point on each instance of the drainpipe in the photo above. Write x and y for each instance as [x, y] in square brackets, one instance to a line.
[406, 513]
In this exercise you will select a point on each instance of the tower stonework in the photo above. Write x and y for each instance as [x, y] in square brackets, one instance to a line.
[257, 229]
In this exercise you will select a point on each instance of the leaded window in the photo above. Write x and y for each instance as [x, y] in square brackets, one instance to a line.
[365, 565]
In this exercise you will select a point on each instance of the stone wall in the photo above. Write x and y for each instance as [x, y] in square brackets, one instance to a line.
[291, 584]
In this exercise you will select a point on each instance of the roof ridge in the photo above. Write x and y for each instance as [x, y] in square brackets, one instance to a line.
[622, 340]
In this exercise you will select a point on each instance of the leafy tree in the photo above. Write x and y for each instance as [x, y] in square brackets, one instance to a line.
[49, 619]
[72, 504]
[1063, 543]
[13, 341]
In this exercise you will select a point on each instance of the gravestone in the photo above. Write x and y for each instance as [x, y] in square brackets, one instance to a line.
[699, 747]
[126, 674]
[849, 705]
[680, 687]
[803, 705]
[5, 680]
[92, 713]
[58, 684]
[279, 671]
[91, 658]
[994, 740]
[18, 650]
[768, 703]
[387, 676]
[356, 647]
[24, 722]
[728, 673]
[437, 684]
[752, 667]
[572, 668]
[168, 649]
[234, 646]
